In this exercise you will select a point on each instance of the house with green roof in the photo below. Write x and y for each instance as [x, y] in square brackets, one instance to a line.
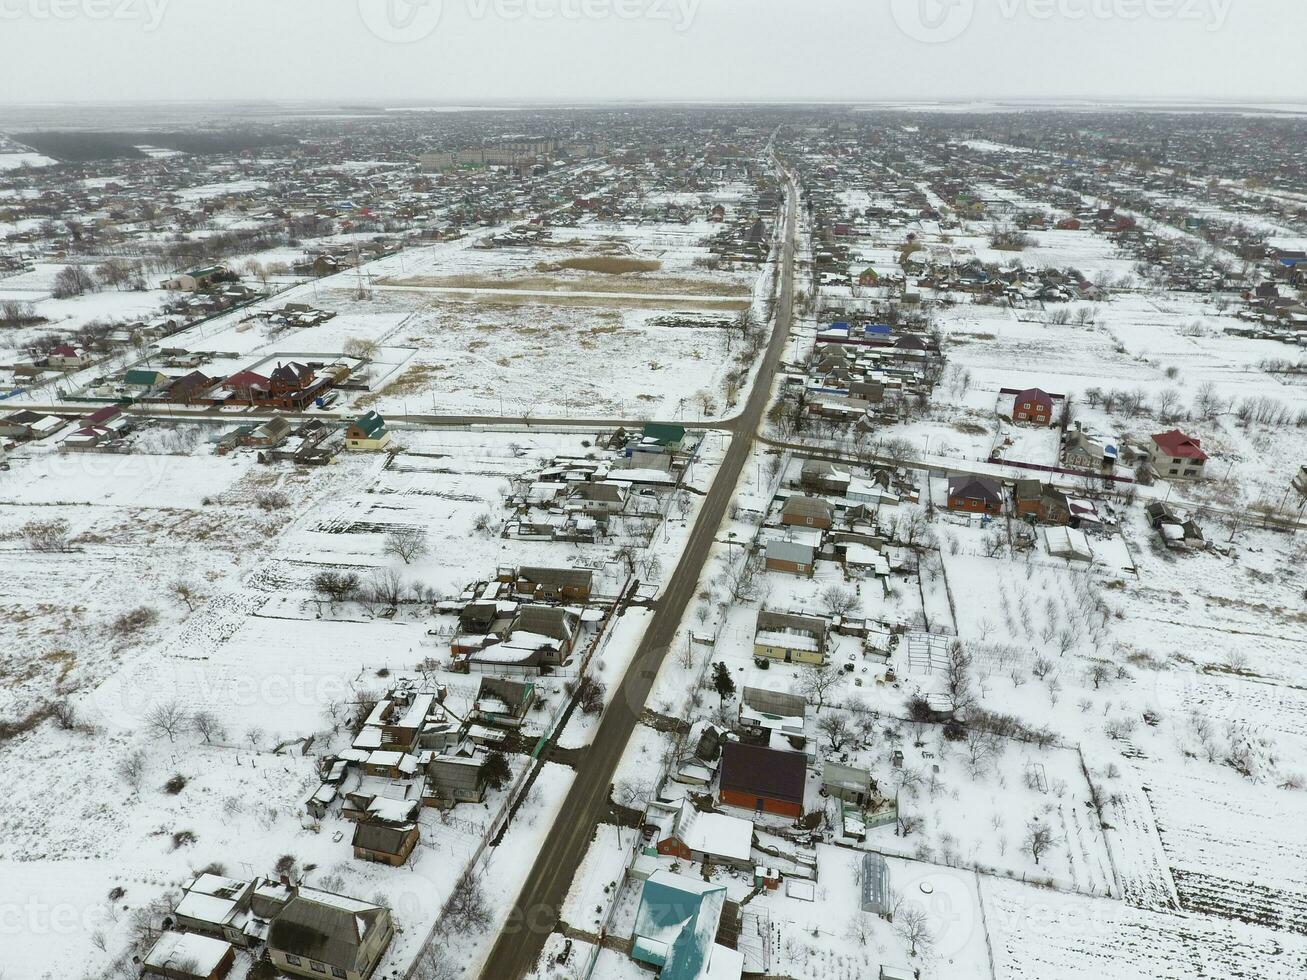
[144, 379]
[367, 433]
[676, 929]
[669, 437]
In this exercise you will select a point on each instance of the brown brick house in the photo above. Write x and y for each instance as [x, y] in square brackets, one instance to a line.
[975, 495]
[754, 777]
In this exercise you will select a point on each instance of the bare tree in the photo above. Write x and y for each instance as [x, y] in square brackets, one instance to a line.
[839, 600]
[913, 927]
[407, 544]
[1039, 838]
[166, 719]
[386, 588]
[957, 677]
[836, 729]
[207, 726]
[467, 909]
[185, 593]
[817, 683]
[336, 586]
[132, 768]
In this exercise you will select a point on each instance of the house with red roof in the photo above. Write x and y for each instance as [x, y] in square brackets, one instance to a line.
[67, 356]
[1034, 406]
[1176, 456]
[247, 386]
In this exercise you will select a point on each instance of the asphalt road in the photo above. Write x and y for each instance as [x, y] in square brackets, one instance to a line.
[536, 912]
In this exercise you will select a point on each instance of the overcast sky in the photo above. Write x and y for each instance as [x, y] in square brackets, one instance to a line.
[652, 49]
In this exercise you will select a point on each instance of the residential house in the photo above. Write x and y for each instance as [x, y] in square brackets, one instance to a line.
[597, 499]
[669, 438]
[398, 722]
[820, 476]
[368, 433]
[538, 637]
[456, 776]
[188, 956]
[271, 433]
[847, 783]
[790, 557]
[765, 780]
[222, 907]
[684, 831]
[1033, 406]
[319, 934]
[30, 426]
[110, 417]
[551, 584]
[1176, 456]
[66, 357]
[89, 439]
[1081, 452]
[975, 495]
[676, 927]
[793, 639]
[195, 280]
[1042, 502]
[808, 512]
[144, 381]
[503, 703]
[384, 843]
[248, 387]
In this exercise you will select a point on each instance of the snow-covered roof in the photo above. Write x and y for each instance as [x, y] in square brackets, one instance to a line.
[715, 833]
[201, 955]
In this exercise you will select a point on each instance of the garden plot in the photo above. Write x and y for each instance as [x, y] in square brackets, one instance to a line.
[1004, 787]
[654, 258]
[1038, 934]
[1233, 852]
[1028, 444]
[1240, 616]
[816, 930]
[1130, 829]
[1035, 606]
[488, 358]
[136, 526]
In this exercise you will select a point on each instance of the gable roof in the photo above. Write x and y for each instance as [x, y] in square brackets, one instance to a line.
[370, 424]
[246, 379]
[800, 554]
[142, 377]
[664, 434]
[324, 927]
[1038, 395]
[676, 924]
[760, 771]
[381, 837]
[974, 488]
[1176, 443]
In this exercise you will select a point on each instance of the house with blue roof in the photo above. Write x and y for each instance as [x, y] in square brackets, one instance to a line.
[676, 929]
